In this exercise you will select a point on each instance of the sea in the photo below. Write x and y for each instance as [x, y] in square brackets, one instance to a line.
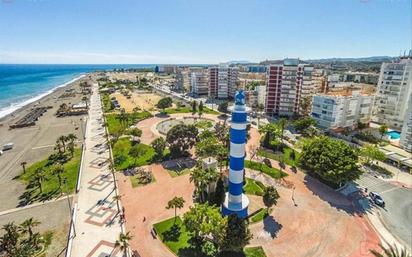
[21, 84]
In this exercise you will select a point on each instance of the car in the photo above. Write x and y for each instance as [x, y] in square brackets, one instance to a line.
[8, 146]
[377, 199]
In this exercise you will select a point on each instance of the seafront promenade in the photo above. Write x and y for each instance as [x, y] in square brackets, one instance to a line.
[97, 217]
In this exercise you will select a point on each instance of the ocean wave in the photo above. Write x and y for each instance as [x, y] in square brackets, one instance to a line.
[17, 105]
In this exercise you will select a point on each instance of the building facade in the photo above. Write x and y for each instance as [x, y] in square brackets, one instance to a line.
[183, 81]
[393, 93]
[342, 110]
[200, 82]
[223, 81]
[406, 134]
[286, 85]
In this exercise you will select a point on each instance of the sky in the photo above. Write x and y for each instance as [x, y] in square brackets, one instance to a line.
[203, 32]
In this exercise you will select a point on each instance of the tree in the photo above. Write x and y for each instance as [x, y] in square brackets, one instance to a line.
[159, 145]
[199, 177]
[123, 119]
[332, 160]
[200, 111]
[305, 105]
[270, 196]
[10, 239]
[271, 132]
[282, 122]
[123, 242]
[391, 251]
[181, 138]
[164, 103]
[370, 153]
[194, 107]
[303, 124]
[382, 130]
[27, 226]
[70, 147]
[175, 203]
[63, 140]
[23, 165]
[204, 221]
[117, 198]
[58, 170]
[136, 132]
[223, 107]
[39, 177]
[237, 234]
[136, 152]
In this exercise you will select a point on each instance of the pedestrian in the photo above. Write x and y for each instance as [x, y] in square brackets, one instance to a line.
[144, 219]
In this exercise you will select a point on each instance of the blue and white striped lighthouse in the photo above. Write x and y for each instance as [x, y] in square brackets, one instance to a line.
[235, 201]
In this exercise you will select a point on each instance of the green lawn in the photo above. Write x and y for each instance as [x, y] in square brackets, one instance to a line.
[210, 111]
[254, 252]
[285, 157]
[121, 155]
[274, 173]
[259, 216]
[107, 104]
[173, 234]
[113, 124]
[179, 172]
[50, 186]
[189, 110]
[253, 187]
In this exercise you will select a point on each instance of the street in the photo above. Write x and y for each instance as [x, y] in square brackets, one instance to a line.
[397, 214]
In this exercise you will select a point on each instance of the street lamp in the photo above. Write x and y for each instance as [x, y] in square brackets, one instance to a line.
[70, 206]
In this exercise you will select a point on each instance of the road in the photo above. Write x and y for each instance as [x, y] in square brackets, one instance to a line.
[397, 214]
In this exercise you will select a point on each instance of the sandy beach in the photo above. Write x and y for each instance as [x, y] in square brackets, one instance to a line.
[33, 143]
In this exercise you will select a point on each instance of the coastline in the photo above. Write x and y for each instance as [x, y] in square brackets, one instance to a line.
[10, 112]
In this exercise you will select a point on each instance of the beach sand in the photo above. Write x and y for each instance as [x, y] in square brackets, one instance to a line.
[145, 101]
[34, 143]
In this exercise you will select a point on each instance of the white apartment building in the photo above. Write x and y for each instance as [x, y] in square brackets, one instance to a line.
[406, 134]
[183, 80]
[341, 110]
[261, 94]
[223, 81]
[394, 92]
[199, 82]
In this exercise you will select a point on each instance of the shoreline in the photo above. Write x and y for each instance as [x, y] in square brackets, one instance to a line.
[19, 107]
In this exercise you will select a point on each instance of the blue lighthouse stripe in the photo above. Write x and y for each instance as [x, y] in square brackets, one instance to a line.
[236, 163]
[235, 189]
[239, 117]
[237, 136]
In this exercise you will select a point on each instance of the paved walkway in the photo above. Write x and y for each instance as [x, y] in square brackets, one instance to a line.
[97, 223]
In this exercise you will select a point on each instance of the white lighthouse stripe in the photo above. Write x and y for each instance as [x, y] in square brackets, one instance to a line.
[238, 126]
[236, 177]
[235, 198]
[237, 150]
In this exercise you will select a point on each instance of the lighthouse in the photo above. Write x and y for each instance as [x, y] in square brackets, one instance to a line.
[235, 201]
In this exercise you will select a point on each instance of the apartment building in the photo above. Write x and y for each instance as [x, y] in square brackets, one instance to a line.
[183, 80]
[394, 91]
[319, 81]
[256, 97]
[406, 134]
[200, 82]
[287, 83]
[223, 81]
[343, 109]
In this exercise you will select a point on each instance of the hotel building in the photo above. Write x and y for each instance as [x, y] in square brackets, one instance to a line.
[343, 109]
[287, 84]
[394, 92]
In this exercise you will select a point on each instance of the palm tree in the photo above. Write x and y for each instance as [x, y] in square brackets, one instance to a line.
[117, 198]
[23, 165]
[392, 251]
[199, 178]
[175, 203]
[71, 137]
[123, 242]
[27, 226]
[10, 239]
[39, 177]
[282, 124]
[62, 140]
[58, 170]
[200, 111]
[212, 176]
[35, 240]
[382, 130]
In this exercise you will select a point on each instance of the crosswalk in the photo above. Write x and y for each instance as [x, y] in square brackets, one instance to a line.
[375, 184]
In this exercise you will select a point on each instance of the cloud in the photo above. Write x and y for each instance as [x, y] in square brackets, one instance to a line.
[96, 58]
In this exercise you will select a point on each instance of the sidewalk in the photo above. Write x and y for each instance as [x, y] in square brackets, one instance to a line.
[399, 176]
[97, 223]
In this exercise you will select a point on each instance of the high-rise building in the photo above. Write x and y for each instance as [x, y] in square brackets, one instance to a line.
[343, 109]
[222, 81]
[286, 85]
[394, 91]
[200, 82]
[406, 134]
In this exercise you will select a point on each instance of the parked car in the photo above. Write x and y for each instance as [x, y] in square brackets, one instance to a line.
[8, 146]
[377, 199]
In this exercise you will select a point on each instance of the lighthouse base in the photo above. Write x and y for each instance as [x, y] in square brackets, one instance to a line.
[240, 209]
